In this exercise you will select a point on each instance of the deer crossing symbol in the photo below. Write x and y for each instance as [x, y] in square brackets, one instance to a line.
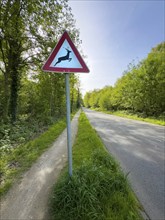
[66, 57]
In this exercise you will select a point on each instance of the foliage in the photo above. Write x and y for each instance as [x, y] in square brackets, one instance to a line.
[97, 189]
[105, 98]
[140, 90]
[5, 143]
[86, 99]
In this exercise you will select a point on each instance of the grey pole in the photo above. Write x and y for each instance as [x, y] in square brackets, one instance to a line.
[69, 141]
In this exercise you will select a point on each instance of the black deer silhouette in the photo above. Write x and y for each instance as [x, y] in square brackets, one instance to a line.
[64, 57]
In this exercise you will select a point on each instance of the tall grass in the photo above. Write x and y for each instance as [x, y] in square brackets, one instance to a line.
[98, 189]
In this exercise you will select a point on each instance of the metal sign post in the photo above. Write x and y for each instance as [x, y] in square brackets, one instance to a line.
[65, 58]
[69, 141]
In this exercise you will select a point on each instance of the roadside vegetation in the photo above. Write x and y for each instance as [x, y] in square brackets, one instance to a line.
[138, 94]
[98, 189]
[127, 114]
[15, 160]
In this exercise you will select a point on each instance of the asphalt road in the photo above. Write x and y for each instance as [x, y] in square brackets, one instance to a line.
[139, 148]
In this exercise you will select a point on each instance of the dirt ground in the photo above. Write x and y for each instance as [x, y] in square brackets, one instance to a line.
[29, 196]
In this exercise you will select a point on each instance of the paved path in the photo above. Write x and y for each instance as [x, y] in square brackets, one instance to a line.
[28, 198]
[139, 147]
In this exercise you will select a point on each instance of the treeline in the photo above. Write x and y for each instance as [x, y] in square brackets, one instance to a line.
[140, 90]
[28, 32]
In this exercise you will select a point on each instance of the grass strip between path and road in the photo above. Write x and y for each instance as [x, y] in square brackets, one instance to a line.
[126, 114]
[14, 163]
[98, 189]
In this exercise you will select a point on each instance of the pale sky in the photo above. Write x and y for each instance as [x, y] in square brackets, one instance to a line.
[114, 33]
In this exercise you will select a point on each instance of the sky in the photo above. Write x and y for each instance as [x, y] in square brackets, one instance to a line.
[115, 33]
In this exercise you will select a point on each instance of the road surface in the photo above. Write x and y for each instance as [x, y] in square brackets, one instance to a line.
[139, 147]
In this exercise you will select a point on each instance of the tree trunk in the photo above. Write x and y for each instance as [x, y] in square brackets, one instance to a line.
[6, 97]
[14, 95]
[14, 68]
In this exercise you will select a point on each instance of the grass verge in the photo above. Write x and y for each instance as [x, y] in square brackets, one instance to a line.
[13, 163]
[98, 189]
[126, 114]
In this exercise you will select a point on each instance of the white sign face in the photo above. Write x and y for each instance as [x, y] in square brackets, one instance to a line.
[65, 58]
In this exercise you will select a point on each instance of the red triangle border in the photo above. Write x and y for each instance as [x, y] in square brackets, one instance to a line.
[47, 68]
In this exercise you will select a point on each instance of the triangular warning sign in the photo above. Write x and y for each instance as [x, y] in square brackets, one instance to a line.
[65, 58]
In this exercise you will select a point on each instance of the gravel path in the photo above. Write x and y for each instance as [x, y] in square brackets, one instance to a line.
[28, 198]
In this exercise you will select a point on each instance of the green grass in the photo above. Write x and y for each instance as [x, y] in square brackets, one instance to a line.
[19, 159]
[153, 120]
[98, 190]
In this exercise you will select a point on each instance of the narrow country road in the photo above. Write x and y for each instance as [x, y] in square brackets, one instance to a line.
[29, 197]
[139, 147]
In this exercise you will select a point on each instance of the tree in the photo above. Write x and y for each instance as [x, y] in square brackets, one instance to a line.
[152, 74]
[28, 33]
[11, 49]
[86, 99]
[94, 98]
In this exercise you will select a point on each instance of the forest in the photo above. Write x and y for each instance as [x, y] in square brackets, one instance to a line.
[30, 99]
[141, 89]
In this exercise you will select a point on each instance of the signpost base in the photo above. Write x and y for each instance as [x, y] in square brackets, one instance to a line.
[69, 143]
